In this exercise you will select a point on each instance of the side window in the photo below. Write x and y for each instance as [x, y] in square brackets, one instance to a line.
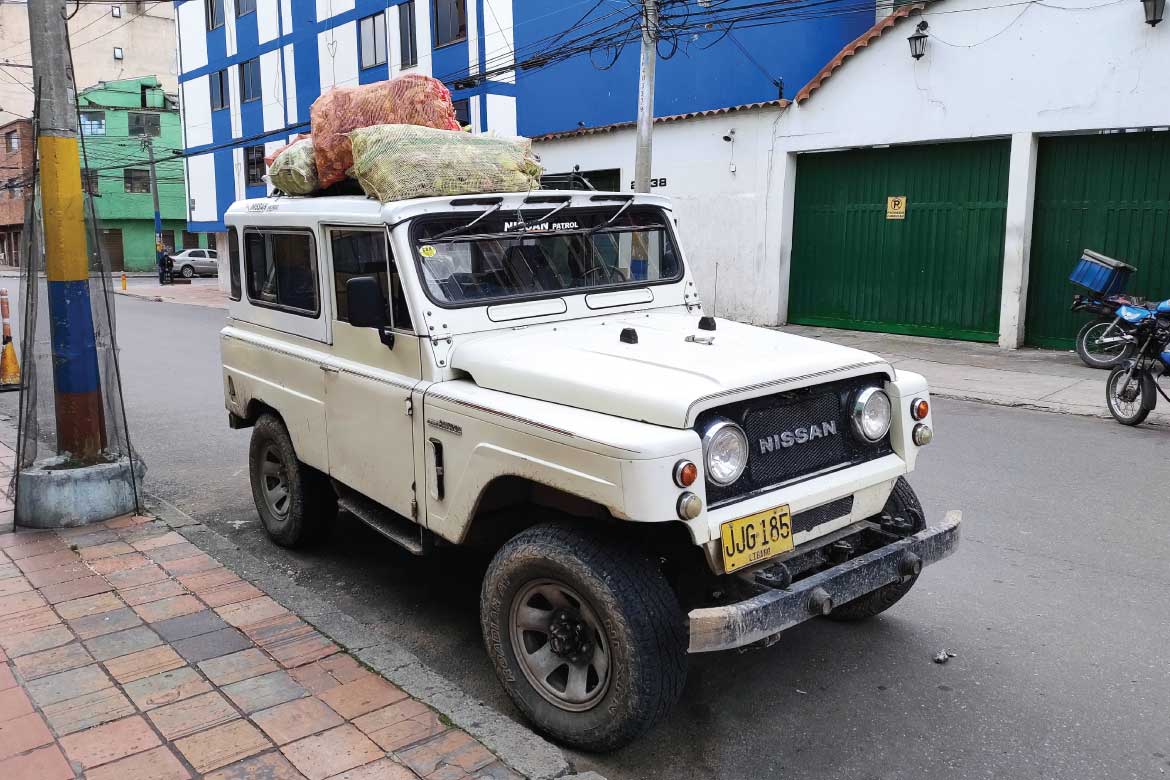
[234, 262]
[364, 253]
[281, 271]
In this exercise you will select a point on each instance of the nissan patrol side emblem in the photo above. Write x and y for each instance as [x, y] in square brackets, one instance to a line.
[797, 436]
[443, 425]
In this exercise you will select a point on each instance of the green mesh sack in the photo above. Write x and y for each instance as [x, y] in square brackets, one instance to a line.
[294, 171]
[397, 162]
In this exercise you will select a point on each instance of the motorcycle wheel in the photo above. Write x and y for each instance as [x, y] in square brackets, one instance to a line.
[1129, 404]
[1095, 355]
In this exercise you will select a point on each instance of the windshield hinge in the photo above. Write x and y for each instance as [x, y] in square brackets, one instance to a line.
[409, 407]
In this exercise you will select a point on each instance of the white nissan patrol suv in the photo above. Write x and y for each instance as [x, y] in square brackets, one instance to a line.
[533, 374]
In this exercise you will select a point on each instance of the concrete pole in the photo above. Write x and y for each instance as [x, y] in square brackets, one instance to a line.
[159, 251]
[76, 381]
[643, 153]
[1013, 306]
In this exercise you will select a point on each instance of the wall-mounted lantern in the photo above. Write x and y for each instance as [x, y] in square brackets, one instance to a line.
[918, 39]
[1155, 9]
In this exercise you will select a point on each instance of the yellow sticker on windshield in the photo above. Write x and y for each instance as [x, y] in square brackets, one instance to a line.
[427, 250]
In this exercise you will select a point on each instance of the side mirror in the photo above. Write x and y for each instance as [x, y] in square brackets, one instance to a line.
[367, 306]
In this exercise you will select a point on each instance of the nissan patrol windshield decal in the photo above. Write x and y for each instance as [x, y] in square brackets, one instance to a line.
[514, 255]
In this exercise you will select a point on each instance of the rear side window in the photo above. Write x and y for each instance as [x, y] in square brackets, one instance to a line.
[365, 253]
[234, 262]
[281, 271]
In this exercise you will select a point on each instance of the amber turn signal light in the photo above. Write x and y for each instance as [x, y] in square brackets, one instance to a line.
[685, 473]
[919, 408]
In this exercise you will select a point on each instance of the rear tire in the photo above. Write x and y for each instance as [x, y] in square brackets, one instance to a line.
[903, 502]
[187, 272]
[1094, 357]
[296, 503]
[1131, 405]
[586, 636]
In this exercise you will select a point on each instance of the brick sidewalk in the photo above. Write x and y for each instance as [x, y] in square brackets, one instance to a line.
[127, 653]
[199, 293]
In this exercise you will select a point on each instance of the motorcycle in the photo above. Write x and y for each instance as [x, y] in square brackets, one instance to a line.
[1101, 342]
[1132, 390]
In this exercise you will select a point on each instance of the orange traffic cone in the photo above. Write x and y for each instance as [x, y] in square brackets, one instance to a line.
[9, 366]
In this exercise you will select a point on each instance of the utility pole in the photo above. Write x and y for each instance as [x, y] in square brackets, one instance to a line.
[76, 381]
[644, 149]
[159, 252]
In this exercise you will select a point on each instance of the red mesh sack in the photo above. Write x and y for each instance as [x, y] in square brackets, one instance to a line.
[271, 158]
[412, 99]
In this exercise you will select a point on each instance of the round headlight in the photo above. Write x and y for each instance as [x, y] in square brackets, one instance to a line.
[725, 451]
[872, 413]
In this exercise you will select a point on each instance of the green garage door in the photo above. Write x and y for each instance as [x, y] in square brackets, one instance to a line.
[937, 272]
[1110, 193]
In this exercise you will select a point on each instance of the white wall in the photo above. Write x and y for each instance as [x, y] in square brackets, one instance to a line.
[201, 187]
[501, 114]
[498, 46]
[196, 111]
[268, 20]
[272, 90]
[337, 56]
[290, 83]
[192, 36]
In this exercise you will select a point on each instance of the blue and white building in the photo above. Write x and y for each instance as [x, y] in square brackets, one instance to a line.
[250, 69]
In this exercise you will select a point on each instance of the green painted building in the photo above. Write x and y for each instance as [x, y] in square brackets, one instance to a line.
[118, 118]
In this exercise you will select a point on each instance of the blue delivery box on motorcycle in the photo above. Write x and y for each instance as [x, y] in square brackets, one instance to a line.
[1100, 274]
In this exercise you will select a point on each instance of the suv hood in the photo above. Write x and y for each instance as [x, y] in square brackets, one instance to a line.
[663, 379]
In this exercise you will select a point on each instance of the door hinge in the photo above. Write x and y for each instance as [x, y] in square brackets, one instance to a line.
[414, 508]
[330, 369]
[409, 407]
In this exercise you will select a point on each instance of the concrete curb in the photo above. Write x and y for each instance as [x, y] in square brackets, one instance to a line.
[1156, 418]
[517, 746]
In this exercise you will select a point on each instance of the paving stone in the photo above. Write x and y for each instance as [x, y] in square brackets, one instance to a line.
[122, 643]
[19, 602]
[173, 552]
[16, 645]
[168, 608]
[67, 685]
[7, 679]
[157, 764]
[46, 662]
[156, 541]
[361, 696]
[76, 589]
[191, 565]
[154, 591]
[47, 763]
[222, 745]
[74, 570]
[255, 610]
[87, 710]
[452, 748]
[104, 623]
[205, 580]
[296, 719]
[15, 584]
[87, 536]
[24, 733]
[14, 703]
[119, 563]
[270, 766]
[109, 742]
[382, 769]
[267, 690]
[185, 626]
[166, 688]
[139, 575]
[145, 663]
[344, 667]
[8, 569]
[206, 646]
[332, 752]
[29, 620]
[314, 678]
[181, 719]
[108, 550]
[145, 532]
[402, 724]
[290, 640]
[239, 666]
[90, 605]
[48, 558]
[23, 538]
[127, 521]
[232, 593]
[499, 771]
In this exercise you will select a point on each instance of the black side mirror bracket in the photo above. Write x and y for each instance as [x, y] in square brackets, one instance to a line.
[367, 307]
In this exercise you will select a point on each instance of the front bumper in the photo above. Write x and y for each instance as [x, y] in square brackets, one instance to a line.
[774, 610]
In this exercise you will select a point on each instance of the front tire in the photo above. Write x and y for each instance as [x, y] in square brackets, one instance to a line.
[1095, 355]
[296, 503]
[187, 272]
[586, 636]
[903, 502]
[1129, 403]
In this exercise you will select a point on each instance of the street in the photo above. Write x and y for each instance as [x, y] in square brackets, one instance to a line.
[1054, 604]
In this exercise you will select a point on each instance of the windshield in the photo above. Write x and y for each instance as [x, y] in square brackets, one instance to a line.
[538, 253]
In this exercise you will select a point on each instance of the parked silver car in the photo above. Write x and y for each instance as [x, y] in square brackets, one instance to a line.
[195, 262]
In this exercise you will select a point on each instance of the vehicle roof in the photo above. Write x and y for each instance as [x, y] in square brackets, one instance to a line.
[362, 209]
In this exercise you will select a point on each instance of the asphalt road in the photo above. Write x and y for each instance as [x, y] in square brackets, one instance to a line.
[1055, 604]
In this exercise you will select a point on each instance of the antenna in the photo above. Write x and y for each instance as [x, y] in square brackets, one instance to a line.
[715, 303]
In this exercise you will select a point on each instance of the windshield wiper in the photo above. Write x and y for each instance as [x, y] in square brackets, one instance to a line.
[468, 226]
[524, 225]
[612, 219]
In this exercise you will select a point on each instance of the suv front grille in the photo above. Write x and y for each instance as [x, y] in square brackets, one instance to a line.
[773, 421]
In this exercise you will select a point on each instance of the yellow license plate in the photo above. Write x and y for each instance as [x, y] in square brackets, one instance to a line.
[756, 537]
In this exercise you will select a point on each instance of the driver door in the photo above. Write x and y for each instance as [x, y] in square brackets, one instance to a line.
[367, 383]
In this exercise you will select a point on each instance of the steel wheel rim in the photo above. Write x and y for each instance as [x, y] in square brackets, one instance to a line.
[274, 483]
[571, 682]
[1126, 409]
[1093, 343]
